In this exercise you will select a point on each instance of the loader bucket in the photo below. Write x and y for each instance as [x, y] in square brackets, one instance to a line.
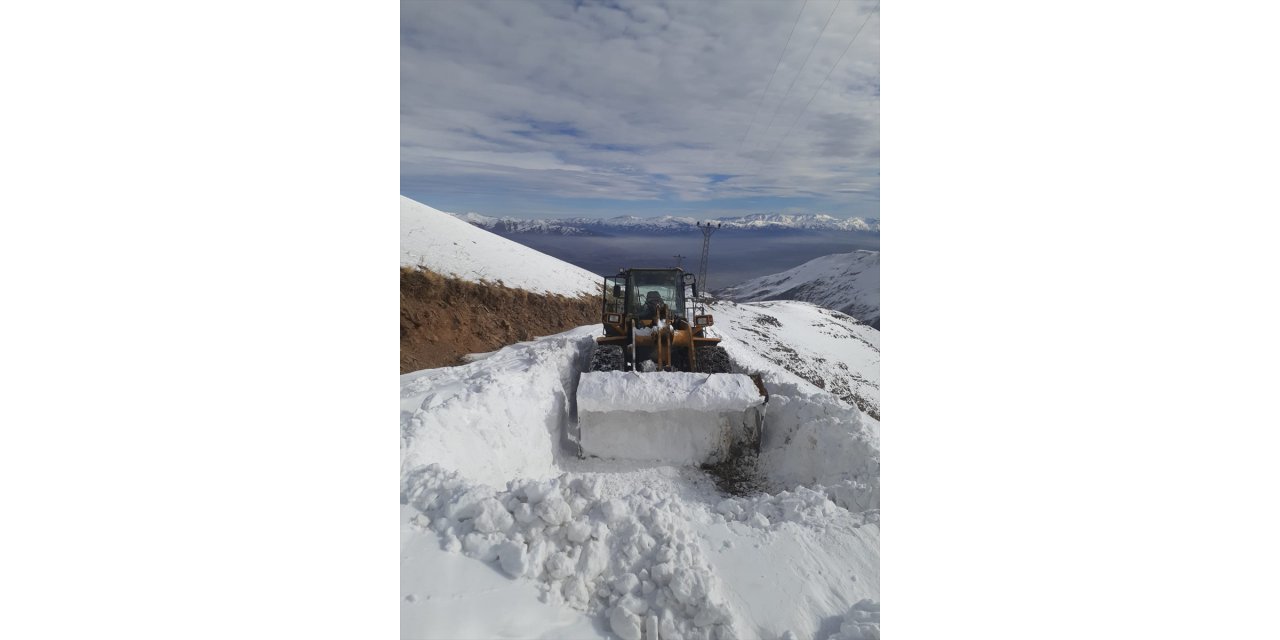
[671, 417]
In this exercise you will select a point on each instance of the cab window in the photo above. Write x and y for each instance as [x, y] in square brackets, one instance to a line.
[665, 283]
[614, 285]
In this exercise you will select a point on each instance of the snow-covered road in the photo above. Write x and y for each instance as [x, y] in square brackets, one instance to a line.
[625, 548]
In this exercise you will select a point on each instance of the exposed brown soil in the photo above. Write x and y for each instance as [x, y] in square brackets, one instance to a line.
[443, 318]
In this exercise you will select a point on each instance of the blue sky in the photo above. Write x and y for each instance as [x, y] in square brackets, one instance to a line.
[537, 109]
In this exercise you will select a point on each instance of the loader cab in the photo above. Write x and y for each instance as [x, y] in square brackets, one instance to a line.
[661, 284]
[625, 295]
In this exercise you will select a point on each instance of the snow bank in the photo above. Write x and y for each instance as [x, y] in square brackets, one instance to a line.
[862, 622]
[814, 439]
[635, 559]
[496, 419]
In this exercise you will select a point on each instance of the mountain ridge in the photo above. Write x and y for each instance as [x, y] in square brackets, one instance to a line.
[844, 282]
[604, 226]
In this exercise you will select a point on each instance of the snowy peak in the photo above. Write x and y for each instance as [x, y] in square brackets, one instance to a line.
[515, 225]
[845, 282]
[802, 221]
[447, 244]
[660, 224]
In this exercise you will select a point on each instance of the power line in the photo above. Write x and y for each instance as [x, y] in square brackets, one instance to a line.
[824, 82]
[802, 66]
[775, 72]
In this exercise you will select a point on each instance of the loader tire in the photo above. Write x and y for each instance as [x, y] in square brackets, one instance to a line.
[713, 360]
[607, 358]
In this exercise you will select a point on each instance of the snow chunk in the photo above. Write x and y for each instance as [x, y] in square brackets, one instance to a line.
[554, 511]
[559, 566]
[626, 583]
[513, 557]
[578, 531]
[624, 623]
[493, 517]
[613, 510]
[862, 622]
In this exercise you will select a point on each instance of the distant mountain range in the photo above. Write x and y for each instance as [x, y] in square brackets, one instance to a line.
[845, 282]
[669, 224]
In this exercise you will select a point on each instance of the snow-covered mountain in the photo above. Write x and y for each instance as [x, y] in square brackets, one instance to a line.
[846, 282]
[801, 221]
[665, 224]
[445, 244]
[506, 532]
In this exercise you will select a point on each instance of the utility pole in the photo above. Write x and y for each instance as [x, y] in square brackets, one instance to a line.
[707, 230]
[678, 259]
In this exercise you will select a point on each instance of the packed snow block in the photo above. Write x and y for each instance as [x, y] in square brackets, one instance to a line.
[675, 418]
[655, 392]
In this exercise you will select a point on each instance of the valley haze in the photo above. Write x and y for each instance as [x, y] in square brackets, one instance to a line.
[742, 248]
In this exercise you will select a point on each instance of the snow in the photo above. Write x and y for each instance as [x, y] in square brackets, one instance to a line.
[585, 549]
[845, 282]
[804, 344]
[443, 243]
[673, 417]
[681, 437]
[633, 391]
[457, 600]
[813, 438]
[495, 418]
[862, 622]
[505, 532]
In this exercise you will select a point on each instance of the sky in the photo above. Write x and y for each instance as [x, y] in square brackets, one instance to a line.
[571, 108]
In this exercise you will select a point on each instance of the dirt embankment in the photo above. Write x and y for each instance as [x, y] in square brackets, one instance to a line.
[443, 318]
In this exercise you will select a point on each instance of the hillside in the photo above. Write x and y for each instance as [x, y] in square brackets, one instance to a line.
[449, 246]
[443, 318]
[824, 348]
[844, 282]
[465, 290]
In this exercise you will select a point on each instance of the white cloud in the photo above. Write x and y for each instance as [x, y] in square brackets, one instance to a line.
[641, 100]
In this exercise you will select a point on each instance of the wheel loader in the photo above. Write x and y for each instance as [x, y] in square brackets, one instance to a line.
[658, 387]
